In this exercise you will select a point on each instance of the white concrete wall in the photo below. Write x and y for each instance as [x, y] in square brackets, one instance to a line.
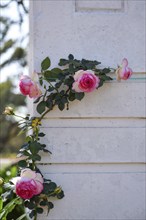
[98, 145]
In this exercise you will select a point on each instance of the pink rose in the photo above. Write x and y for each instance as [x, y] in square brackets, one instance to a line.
[29, 87]
[124, 72]
[28, 184]
[85, 81]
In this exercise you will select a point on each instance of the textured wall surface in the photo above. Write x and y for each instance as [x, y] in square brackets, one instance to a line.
[98, 146]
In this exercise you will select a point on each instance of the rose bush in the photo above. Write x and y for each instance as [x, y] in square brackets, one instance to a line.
[85, 81]
[60, 86]
[124, 72]
[28, 184]
[29, 87]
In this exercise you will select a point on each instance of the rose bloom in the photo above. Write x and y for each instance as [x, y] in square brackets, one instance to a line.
[28, 184]
[29, 87]
[124, 72]
[85, 81]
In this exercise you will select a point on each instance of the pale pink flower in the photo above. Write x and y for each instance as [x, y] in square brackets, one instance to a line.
[124, 72]
[28, 184]
[29, 87]
[85, 81]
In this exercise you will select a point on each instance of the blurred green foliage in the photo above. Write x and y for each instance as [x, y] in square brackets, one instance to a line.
[7, 174]
[12, 49]
[10, 45]
[9, 140]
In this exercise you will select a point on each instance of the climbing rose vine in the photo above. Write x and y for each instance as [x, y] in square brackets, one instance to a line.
[56, 87]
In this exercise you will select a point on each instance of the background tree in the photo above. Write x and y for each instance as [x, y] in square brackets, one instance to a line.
[13, 50]
[9, 141]
[9, 43]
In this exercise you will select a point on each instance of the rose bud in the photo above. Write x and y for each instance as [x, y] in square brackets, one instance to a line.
[124, 72]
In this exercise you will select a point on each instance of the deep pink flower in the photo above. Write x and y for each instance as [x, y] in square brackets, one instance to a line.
[85, 81]
[26, 188]
[124, 72]
[28, 184]
[29, 87]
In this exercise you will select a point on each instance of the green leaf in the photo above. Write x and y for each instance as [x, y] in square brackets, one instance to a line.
[50, 205]
[71, 96]
[63, 62]
[70, 57]
[50, 76]
[46, 63]
[37, 100]
[39, 210]
[36, 157]
[32, 214]
[43, 203]
[1, 203]
[29, 204]
[41, 107]
[47, 151]
[61, 106]
[21, 217]
[106, 70]
[52, 186]
[35, 147]
[60, 195]
[9, 207]
[41, 81]
[22, 163]
[101, 83]
[26, 153]
[49, 103]
[56, 70]
[49, 187]
[79, 96]
[41, 134]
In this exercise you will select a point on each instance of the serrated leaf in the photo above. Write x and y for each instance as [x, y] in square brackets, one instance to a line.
[71, 96]
[63, 62]
[36, 157]
[50, 205]
[70, 57]
[35, 147]
[22, 163]
[46, 63]
[41, 107]
[32, 214]
[37, 100]
[43, 203]
[41, 134]
[39, 210]
[56, 70]
[30, 204]
[60, 195]
[79, 96]
[61, 106]
[106, 70]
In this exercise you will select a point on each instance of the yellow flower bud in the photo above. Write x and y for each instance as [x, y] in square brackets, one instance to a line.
[58, 190]
[8, 111]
